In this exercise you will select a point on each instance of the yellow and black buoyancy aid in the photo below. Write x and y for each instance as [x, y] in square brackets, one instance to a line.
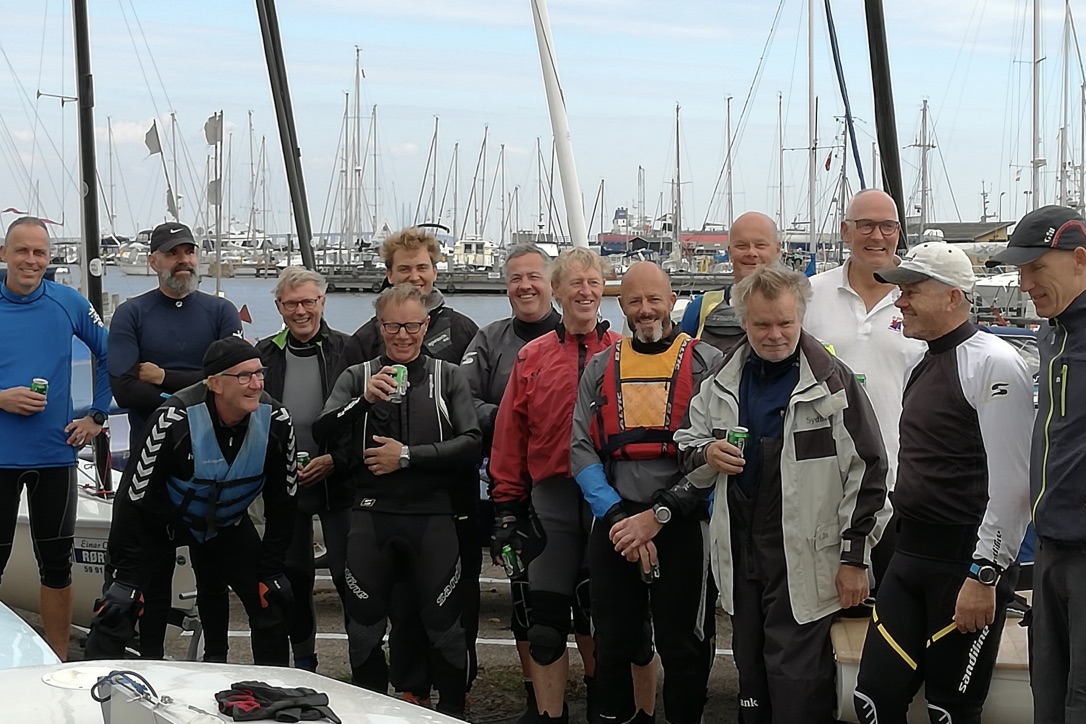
[643, 400]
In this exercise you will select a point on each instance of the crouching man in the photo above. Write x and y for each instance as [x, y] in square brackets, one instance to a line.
[207, 453]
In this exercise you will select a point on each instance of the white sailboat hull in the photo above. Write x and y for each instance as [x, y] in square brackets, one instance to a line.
[20, 587]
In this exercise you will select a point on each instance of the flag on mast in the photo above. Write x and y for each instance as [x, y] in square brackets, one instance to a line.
[213, 129]
[151, 139]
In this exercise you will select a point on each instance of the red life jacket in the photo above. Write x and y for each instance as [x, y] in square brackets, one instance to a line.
[643, 399]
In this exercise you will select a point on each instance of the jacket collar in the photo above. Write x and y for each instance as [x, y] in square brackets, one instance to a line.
[1074, 315]
[280, 338]
[816, 365]
[601, 330]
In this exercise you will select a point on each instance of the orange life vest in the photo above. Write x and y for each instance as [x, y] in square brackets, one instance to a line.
[643, 399]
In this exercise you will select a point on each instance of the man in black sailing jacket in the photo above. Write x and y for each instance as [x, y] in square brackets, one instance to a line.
[407, 458]
[303, 361]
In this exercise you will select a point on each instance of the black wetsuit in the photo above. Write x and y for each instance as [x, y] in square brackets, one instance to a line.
[962, 498]
[403, 560]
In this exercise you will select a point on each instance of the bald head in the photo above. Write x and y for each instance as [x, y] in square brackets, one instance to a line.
[647, 300]
[752, 242]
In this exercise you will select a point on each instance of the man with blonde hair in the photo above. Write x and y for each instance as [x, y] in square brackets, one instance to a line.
[533, 483]
[303, 362]
[798, 506]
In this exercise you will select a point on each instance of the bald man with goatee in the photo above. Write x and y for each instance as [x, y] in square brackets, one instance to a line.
[752, 242]
[647, 547]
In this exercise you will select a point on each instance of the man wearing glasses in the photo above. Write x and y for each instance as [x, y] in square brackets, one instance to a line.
[207, 454]
[853, 312]
[304, 360]
[409, 445]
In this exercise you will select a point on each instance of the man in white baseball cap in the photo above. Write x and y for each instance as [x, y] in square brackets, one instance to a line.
[962, 502]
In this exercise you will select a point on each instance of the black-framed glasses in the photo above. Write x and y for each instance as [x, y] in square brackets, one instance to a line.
[395, 327]
[868, 226]
[245, 378]
[307, 304]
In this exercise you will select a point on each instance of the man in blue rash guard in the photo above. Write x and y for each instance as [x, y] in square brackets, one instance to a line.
[40, 438]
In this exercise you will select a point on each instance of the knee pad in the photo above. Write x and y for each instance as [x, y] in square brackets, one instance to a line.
[518, 589]
[546, 643]
[364, 639]
[582, 605]
[55, 562]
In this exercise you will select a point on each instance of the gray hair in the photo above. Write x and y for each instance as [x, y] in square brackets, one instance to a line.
[849, 216]
[25, 221]
[295, 276]
[399, 294]
[580, 256]
[519, 250]
[771, 282]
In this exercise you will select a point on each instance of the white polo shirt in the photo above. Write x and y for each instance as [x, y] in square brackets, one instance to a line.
[871, 343]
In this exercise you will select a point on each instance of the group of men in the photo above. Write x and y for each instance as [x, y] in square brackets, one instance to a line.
[752, 455]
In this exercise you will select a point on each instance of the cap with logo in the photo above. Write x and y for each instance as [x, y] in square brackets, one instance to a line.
[168, 235]
[1040, 231]
[936, 260]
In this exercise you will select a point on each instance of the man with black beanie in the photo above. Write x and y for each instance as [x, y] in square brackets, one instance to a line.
[208, 453]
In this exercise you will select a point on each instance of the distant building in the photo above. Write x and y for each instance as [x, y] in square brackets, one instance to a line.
[959, 232]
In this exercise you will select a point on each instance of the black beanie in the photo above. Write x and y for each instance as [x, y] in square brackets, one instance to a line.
[225, 353]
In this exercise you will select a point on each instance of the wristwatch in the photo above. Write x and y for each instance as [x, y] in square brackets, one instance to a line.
[98, 416]
[405, 456]
[661, 513]
[985, 573]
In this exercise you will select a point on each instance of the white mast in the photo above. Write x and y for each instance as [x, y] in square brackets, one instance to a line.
[812, 130]
[925, 190]
[571, 189]
[728, 178]
[676, 217]
[1064, 93]
[1038, 162]
[781, 220]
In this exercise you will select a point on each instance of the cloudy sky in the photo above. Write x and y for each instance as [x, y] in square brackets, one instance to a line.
[624, 65]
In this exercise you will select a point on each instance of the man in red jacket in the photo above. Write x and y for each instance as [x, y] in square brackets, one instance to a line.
[529, 465]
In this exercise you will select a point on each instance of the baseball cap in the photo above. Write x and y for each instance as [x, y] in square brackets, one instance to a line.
[1041, 231]
[167, 236]
[936, 260]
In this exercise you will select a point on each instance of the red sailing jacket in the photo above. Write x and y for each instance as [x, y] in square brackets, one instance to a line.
[643, 399]
[535, 419]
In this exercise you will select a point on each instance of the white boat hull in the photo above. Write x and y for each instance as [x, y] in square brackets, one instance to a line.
[20, 585]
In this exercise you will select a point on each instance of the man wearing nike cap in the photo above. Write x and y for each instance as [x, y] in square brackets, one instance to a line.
[961, 501]
[1049, 248]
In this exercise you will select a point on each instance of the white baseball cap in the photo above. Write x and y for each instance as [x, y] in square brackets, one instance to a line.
[936, 260]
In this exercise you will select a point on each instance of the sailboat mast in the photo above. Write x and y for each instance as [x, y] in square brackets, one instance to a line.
[1064, 93]
[677, 249]
[924, 188]
[88, 167]
[354, 176]
[176, 178]
[456, 191]
[571, 189]
[728, 178]
[434, 216]
[1037, 162]
[112, 187]
[812, 130]
[780, 162]
[376, 188]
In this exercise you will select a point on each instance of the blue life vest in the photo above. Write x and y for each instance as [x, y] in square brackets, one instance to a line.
[218, 495]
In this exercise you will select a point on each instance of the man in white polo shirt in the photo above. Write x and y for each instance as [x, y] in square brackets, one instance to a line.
[855, 313]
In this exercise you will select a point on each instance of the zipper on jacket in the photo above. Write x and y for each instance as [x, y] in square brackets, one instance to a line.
[1048, 420]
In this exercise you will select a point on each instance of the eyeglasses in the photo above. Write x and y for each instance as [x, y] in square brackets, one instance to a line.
[245, 378]
[867, 226]
[307, 304]
[395, 327]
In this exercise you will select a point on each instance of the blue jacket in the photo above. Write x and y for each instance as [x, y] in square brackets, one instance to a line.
[39, 328]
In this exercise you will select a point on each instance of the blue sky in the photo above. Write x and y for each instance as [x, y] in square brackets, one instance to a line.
[624, 64]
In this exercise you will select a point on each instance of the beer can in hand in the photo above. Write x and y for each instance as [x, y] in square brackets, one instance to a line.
[399, 376]
[303, 458]
[511, 561]
[739, 436]
[40, 385]
[652, 574]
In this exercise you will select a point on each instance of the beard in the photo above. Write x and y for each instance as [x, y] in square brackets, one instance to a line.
[177, 284]
[653, 335]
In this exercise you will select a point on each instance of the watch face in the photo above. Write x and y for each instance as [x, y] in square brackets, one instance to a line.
[987, 575]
